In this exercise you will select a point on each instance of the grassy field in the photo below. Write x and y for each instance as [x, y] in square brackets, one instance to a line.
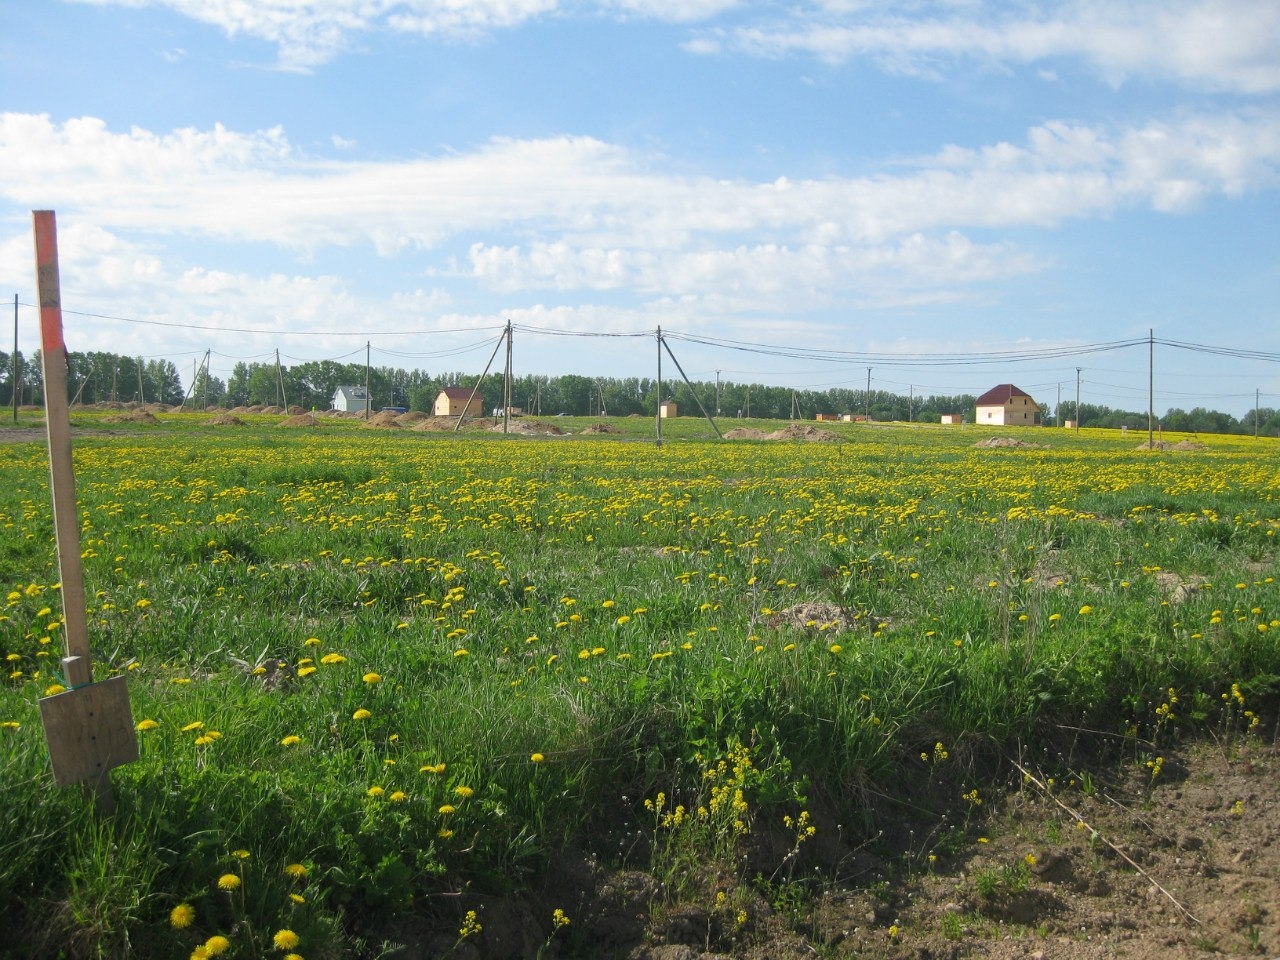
[381, 676]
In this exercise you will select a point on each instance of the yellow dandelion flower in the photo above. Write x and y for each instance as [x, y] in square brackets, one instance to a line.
[463, 792]
[372, 677]
[374, 791]
[54, 689]
[398, 796]
[296, 871]
[182, 916]
[217, 944]
[312, 641]
[297, 898]
[446, 809]
[285, 940]
[361, 714]
[228, 882]
[290, 741]
[145, 725]
[331, 658]
[241, 854]
[536, 758]
[197, 725]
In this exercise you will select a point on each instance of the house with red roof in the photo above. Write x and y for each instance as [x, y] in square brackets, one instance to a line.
[1006, 405]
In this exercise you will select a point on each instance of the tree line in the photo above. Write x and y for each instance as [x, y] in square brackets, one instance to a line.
[95, 377]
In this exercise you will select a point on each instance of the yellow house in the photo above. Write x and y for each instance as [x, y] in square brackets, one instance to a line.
[668, 409]
[453, 402]
[1006, 405]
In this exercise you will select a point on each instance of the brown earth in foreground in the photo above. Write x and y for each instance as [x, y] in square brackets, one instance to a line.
[1110, 864]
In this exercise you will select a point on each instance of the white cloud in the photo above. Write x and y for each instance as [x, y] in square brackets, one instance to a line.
[1212, 44]
[308, 33]
[558, 198]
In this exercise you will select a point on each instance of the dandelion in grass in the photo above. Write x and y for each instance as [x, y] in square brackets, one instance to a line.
[536, 758]
[436, 768]
[144, 725]
[285, 940]
[293, 956]
[372, 678]
[196, 725]
[1086, 610]
[54, 689]
[446, 809]
[463, 792]
[290, 741]
[229, 882]
[461, 652]
[182, 916]
[200, 953]
[306, 671]
[241, 854]
[374, 791]
[217, 944]
[361, 714]
[444, 833]
[398, 796]
[296, 871]
[312, 641]
[330, 659]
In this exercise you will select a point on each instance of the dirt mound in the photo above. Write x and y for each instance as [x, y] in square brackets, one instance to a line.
[226, 420]
[436, 424]
[240, 409]
[601, 428]
[1007, 442]
[818, 615]
[109, 405]
[384, 420]
[744, 433]
[801, 431]
[410, 417]
[301, 420]
[273, 410]
[294, 410]
[133, 416]
[530, 428]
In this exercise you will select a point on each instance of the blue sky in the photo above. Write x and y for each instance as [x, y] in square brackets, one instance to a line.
[876, 183]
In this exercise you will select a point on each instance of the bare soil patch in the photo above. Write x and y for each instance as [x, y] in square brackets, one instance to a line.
[1006, 442]
[301, 420]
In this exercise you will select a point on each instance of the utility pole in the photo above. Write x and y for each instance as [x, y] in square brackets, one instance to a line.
[911, 399]
[867, 416]
[506, 387]
[368, 400]
[1077, 400]
[141, 397]
[717, 386]
[1151, 387]
[1057, 409]
[658, 418]
[1257, 396]
[13, 384]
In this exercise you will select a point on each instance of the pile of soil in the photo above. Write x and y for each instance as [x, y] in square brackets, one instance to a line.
[798, 431]
[410, 417]
[531, 428]
[301, 420]
[437, 424]
[132, 416]
[226, 420]
[744, 433]
[601, 428]
[1007, 442]
[273, 410]
[384, 420]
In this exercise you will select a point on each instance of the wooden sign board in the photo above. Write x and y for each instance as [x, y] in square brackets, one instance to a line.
[89, 730]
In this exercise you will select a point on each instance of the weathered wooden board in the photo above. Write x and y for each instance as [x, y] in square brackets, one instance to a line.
[89, 730]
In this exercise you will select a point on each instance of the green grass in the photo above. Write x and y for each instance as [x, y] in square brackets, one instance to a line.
[625, 613]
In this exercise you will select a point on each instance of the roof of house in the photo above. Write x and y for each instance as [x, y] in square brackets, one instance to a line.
[1000, 395]
[354, 392]
[458, 393]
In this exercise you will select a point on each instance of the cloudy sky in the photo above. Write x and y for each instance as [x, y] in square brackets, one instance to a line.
[843, 183]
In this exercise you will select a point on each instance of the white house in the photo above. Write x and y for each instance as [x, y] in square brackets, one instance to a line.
[1006, 405]
[350, 400]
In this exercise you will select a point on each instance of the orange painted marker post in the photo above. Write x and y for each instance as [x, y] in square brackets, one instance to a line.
[89, 727]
